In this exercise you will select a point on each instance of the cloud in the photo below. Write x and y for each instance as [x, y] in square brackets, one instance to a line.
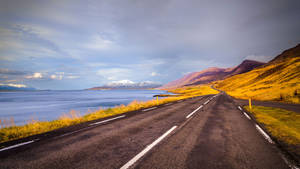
[114, 73]
[36, 30]
[11, 72]
[260, 58]
[154, 74]
[13, 85]
[139, 40]
[72, 77]
[57, 77]
[99, 43]
[35, 75]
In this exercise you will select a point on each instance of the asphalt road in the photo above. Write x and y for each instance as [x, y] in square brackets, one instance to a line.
[205, 132]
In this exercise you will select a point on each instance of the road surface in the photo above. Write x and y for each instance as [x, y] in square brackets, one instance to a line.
[204, 132]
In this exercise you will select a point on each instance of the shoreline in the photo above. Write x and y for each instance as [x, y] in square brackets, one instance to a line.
[39, 127]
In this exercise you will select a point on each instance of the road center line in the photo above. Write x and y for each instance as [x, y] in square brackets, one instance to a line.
[188, 116]
[168, 104]
[247, 116]
[17, 145]
[104, 121]
[149, 109]
[240, 108]
[148, 148]
[266, 136]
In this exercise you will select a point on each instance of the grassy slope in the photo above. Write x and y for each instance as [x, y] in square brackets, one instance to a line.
[9, 132]
[279, 81]
[192, 91]
[282, 124]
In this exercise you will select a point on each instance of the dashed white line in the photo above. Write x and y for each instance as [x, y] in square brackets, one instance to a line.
[179, 101]
[148, 148]
[18, 145]
[104, 121]
[266, 136]
[168, 104]
[100, 122]
[288, 162]
[240, 108]
[72, 132]
[149, 109]
[206, 102]
[188, 116]
[247, 115]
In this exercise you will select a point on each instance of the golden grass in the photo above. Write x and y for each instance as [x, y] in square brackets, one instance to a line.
[192, 91]
[9, 131]
[278, 82]
[282, 124]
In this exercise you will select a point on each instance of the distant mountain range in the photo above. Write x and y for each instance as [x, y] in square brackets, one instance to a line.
[127, 84]
[212, 74]
[14, 88]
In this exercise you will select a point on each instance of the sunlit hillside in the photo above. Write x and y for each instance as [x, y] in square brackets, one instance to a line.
[278, 80]
[212, 74]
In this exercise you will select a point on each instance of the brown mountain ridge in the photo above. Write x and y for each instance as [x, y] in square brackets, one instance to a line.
[212, 74]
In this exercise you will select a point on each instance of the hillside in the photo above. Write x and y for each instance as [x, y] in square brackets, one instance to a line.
[212, 74]
[127, 84]
[278, 80]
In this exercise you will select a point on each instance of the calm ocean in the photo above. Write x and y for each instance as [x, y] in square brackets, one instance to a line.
[49, 105]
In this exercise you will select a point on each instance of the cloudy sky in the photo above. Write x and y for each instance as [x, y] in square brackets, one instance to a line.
[69, 44]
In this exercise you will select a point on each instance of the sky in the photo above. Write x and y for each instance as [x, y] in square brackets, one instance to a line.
[70, 44]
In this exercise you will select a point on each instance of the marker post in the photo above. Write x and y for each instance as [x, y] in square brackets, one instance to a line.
[250, 105]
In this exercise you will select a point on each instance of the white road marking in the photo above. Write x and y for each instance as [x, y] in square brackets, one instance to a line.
[288, 162]
[18, 145]
[266, 136]
[206, 102]
[179, 101]
[72, 132]
[247, 116]
[104, 121]
[149, 109]
[240, 108]
[168, 104]
[100, 122]
[148, 148]
[188, 116]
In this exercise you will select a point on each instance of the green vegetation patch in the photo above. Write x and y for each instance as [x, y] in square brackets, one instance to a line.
[282, 124]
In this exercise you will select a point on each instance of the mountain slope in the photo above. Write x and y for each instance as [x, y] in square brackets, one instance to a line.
[212, 74]
[127, 84]
[279, 80]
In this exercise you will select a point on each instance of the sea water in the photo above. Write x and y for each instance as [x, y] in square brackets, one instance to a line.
[50, 105]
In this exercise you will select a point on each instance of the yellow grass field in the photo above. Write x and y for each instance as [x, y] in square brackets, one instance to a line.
[282, 124]
[10, 132]
[277, 82]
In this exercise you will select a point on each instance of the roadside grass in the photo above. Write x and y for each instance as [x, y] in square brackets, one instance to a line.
[191, 91]
[282, 124]
[9, 131]
[276, 82]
